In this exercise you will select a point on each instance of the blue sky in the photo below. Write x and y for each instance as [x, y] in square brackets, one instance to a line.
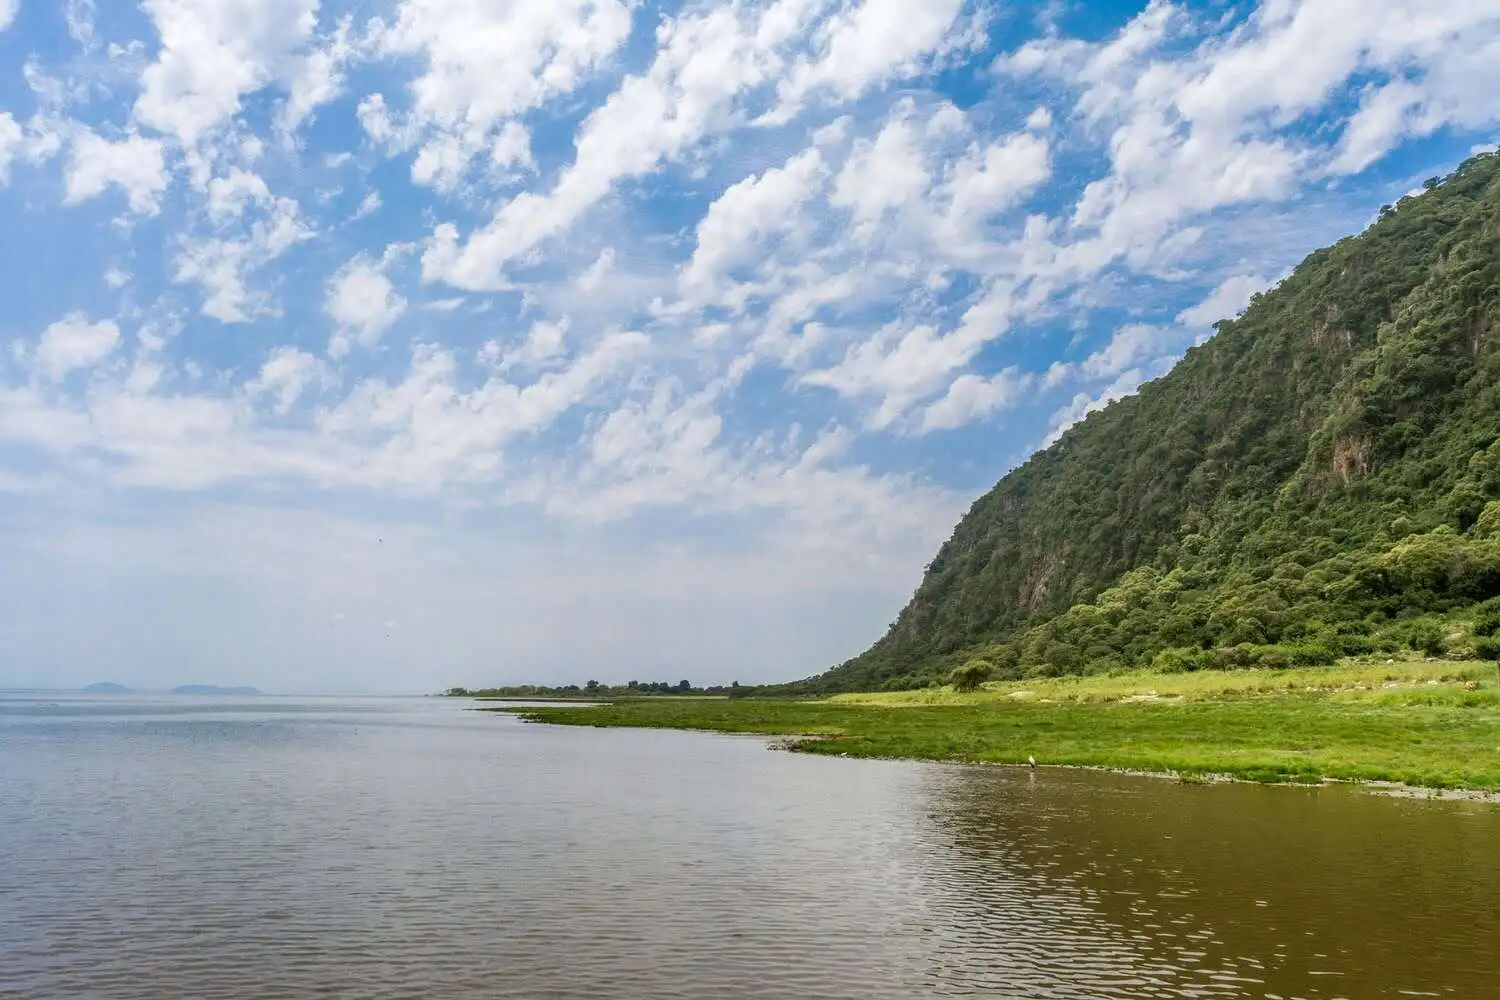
[386, 344]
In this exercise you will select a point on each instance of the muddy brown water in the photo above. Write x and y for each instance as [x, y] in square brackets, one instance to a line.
[166, 848]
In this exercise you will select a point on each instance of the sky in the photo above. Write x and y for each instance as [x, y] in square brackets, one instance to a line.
[383, 345]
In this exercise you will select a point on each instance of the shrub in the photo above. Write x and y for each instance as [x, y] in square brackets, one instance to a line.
[1356, 645]
[1175, 661]
[1488, 649]
[969, 676]
[1272, 658]
[1311, 655]
[1488, 622]
[1234, 657]
[1427, 638]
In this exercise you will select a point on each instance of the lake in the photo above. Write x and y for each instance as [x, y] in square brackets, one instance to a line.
[197, 847]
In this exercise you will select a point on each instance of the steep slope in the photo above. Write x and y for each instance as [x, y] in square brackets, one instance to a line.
[1317, 469]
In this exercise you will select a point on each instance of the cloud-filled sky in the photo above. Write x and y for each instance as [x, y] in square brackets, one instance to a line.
[386, 344]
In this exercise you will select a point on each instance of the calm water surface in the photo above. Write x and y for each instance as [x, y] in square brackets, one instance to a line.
[174, 848]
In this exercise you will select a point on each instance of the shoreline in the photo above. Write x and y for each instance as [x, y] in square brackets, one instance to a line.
[1415, 729]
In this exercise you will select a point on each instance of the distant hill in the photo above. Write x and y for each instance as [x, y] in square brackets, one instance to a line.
[1321, 478]
[212, 689]
[108, 687]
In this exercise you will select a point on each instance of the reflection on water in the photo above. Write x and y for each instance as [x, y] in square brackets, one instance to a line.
[1241, 891]
[204, 848]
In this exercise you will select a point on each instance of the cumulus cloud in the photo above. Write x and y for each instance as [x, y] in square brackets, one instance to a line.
[285, 376]
[973, 397]
[74, 343]
[749, 211]
[221, 265]
[704, 62]
[213, 53]
[1226, 301]
[134, 164]
[364, 304]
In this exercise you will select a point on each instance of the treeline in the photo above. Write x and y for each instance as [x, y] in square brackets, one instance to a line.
[594, 689]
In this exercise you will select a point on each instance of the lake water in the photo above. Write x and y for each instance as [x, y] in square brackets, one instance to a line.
[194, 848]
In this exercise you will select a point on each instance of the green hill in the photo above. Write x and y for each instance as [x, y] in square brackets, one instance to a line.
[1318, 479]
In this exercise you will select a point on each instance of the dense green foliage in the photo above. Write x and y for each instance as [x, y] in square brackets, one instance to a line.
[1421, 724]
[1321, 478]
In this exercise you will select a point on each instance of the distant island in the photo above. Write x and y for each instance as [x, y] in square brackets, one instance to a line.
[213, 689]
[108, 687]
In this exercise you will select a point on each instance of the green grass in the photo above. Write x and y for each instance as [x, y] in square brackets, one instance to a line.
[1414, 723]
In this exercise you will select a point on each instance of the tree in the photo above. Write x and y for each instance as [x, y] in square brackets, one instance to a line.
[684, 687]
[969, 676]
[592, 686]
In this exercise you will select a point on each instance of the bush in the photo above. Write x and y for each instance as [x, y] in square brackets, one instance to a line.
[1356, 645]
[1488, 623]
[1427, 638]
[969, 676]
[1488, 649]
[1311, 655]
[1175, 661]
[1272, 658]
[1234, 657]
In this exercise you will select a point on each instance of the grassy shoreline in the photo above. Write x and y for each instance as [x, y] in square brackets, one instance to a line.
[1422, 724]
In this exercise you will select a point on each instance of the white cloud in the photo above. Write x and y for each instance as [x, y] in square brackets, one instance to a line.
[593, 277]
[370, 204]
[79, 15]
[363, 302]
[1128, 346]
[544, 342]
[867, 45]
[134, 164]
[974, 397]
[1226, 301]
[747, 212]
[704, 61]
[222, 265]
[8, 11]
[885, 174]
[994, 178]
[899, 365]
[73, 343]
[315, 78]
[11, 139]
[285, 376]
[213, 53]
[230, 195]
[484, 65]
[443, 160]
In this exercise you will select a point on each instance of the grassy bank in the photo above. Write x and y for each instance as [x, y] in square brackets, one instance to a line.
[1425, 724]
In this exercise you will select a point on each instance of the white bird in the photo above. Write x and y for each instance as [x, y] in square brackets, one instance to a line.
[1031, 761]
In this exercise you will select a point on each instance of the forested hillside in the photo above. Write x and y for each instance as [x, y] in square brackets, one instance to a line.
[1319, 478]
